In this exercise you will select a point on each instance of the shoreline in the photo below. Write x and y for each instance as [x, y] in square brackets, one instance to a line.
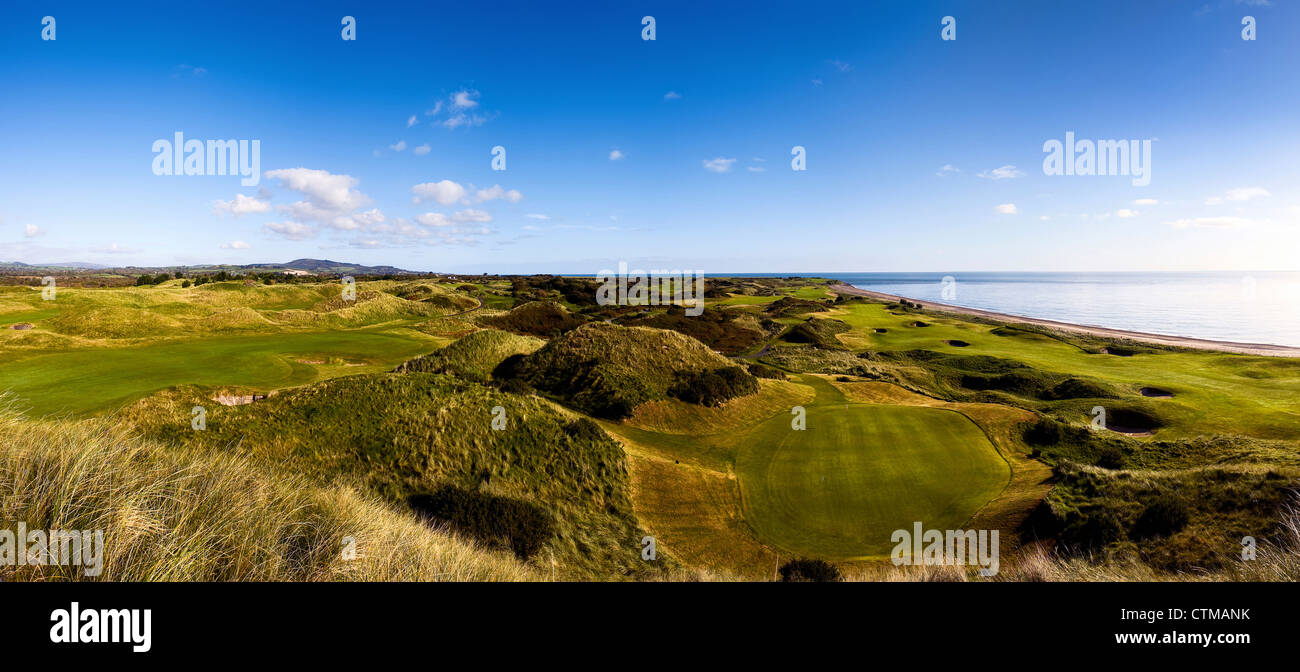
[1264, 349]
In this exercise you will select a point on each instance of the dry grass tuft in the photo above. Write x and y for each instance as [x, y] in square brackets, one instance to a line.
[182, 515]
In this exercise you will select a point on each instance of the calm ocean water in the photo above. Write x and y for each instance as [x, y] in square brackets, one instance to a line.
[1248, 308]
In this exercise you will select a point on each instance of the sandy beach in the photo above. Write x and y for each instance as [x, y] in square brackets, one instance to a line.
[1160, 339]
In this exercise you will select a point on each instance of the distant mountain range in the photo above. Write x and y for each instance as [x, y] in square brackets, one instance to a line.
[317, 266]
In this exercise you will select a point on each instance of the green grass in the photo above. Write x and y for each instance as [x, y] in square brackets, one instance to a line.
[839, 488]
[1215, 393]
[95, 379]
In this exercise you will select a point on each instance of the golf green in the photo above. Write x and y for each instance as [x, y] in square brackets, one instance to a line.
[839, 488]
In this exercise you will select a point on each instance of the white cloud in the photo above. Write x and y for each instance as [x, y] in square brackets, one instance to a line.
[719, 165]
[113, 248]
[1238, 194]
[1146, 201]
[290, 230]
[535, 215]
[1004, 173]
[444, 192]
[472, 215]
[615, 155]
[463, 228]
[323, 189]
[465, 99]
[411, 121]
[495, 191]
[241, 205]
[1007, 209]
[841, 65]
[236, 245]
[1210, 223]
[32, 231]
[755, 169]
[437, 107]
[434, 219]
[421, 150]
[947, 169]
[452, 123]
[400, 146]
[1125, 213]
[354, 221]
[672, 95]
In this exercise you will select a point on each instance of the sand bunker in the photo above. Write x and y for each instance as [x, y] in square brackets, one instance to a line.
[919, 323]
[881, 331]
[1156, 392]
[1131, 431]
[1118, 352]
[239, 399]
[957, 344]
[21, 326]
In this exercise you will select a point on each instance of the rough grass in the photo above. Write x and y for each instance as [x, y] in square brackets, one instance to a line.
[608, 370]
[474, 356]
[536, 318]
[399, 435]
[176, 515]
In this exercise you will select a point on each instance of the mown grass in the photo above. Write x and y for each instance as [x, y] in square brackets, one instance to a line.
[839, 488]
[85, 380]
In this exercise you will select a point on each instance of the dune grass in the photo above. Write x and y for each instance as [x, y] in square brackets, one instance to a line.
[175, 515]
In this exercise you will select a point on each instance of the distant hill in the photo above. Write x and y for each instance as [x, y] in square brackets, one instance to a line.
[315, 266]
[62, 265]
[327, 266]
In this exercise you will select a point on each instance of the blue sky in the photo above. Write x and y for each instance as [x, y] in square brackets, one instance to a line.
[922, 154]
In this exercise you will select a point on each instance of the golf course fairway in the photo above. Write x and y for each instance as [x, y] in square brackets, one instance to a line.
[839, 488]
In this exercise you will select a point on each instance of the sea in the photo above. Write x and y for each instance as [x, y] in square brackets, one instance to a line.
[1224, 306]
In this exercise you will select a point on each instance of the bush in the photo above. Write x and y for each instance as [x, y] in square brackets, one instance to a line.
[584, 430]
[1045, 432]
[1093, 530]
[1110, 457]
[760, 371]
[515, 524]
[807, 570]
[1163, 516]
[513, 386]
[186, 284]
[713, 388]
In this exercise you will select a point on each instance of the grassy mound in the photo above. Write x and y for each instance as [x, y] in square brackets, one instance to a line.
[608, 370]
[474, 356]
[177, 515]
[818, 332]
[1177, 521]
[789, 306]
[723, 330]
[535, 318]
[402, 435]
